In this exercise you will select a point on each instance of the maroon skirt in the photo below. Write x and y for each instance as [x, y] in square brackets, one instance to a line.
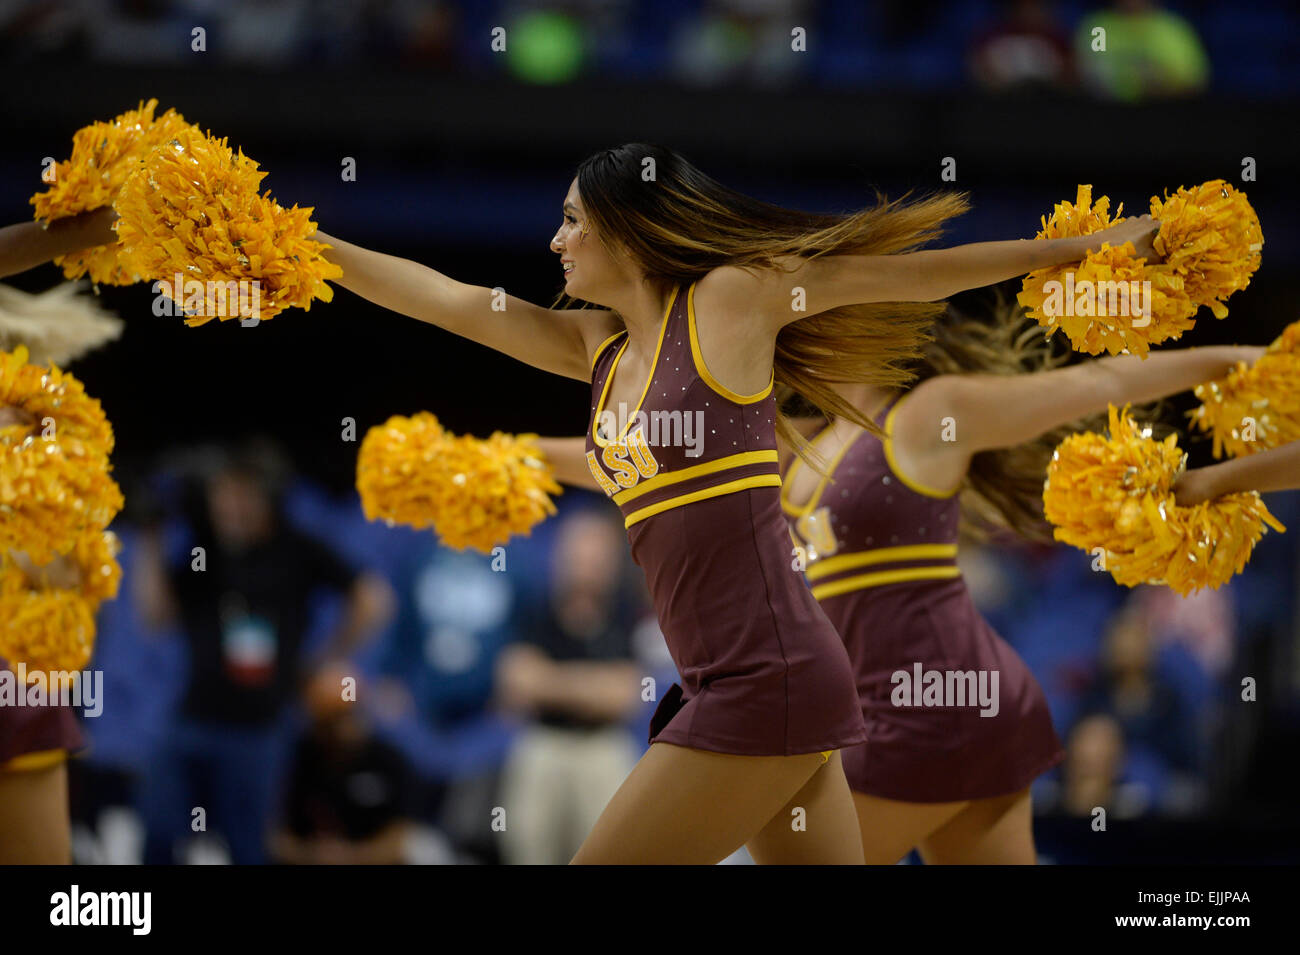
[938, 753]
[763, 672]
[35, 729]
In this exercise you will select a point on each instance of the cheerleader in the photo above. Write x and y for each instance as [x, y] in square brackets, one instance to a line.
[1274, 470]
[879, 530]
[34, 745]
[880, 546]
[35, 741]
[706, 298]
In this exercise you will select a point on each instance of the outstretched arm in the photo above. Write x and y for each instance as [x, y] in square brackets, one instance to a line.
[949, 418]
[832, 281]
[568, 459]
[29, 244]
[1275, 470]
[935, 274]
[558, 341]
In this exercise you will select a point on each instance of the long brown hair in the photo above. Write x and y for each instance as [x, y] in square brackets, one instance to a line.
[984, 331]
[678, 224]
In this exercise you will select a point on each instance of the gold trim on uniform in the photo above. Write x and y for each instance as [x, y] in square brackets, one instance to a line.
[609, 378]
[812, 520]
[863, 581]
[703, 370]
[698, 470]
[30, 762]
[888, 442]
[881, 555]
[600, 350]
[743, 484]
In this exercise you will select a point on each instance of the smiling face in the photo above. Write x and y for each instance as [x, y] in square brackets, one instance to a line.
[590, 271]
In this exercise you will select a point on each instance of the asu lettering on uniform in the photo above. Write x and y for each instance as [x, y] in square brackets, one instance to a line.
[630, 472]
[703, 521]
[627, 464]
[814, 529]
[831, 570]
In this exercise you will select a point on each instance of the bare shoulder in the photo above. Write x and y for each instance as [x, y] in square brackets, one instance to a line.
[928, 415]
[745, 290]
[725, 287]
[928, 433]
[595, 326]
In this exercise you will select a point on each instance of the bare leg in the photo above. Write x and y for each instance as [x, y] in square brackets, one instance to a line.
[891, 829]
[824, 833]
[996, 831]
[34, 826]
[689, 806]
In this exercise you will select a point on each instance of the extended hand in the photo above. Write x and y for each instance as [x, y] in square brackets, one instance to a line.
[1140, 230]
[1193, 488]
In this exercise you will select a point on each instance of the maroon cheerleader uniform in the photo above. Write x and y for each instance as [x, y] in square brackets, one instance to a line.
[694, 471]
[33, 737]
[882, 561]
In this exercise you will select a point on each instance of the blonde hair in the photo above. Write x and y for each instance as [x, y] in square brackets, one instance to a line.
[1003, 488]
[984, 331]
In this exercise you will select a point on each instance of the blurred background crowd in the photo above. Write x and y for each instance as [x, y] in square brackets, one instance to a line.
[476, 683]
[523, 686]
[1156, 48]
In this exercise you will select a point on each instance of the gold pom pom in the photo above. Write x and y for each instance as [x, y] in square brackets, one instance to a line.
[47, 629]
[475, 493]
[1254, 408]
[103, 156]
[1115, 302]
[1210, 236]
[95, 556]
[54, 468]
[193, 211]
[1115, 494]
[393, 468]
